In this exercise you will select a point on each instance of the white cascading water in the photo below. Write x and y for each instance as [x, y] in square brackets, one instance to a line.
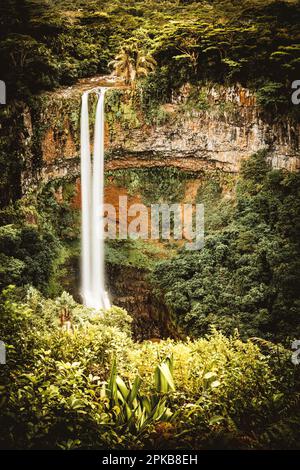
[92, 195]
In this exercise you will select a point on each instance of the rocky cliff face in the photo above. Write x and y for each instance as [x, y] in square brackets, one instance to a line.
[215, 130]
[228, 128]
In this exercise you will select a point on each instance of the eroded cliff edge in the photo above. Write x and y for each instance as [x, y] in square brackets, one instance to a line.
[213, 128]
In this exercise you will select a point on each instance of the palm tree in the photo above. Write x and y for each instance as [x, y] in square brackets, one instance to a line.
[131, 64]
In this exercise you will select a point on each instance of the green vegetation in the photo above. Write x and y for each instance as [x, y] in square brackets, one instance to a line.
[247, 275]
[255, 43]
[38, 234]
[135, 253]
[26, 256]
[155, 185]
[131, 63]
[86, 384]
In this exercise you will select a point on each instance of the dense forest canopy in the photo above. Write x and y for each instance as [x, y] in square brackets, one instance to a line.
[254, 42]
[247, 275]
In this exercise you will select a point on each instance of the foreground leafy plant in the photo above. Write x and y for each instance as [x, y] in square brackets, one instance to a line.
[133, 408]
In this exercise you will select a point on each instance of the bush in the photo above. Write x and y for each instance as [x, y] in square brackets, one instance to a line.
[28, 256]
[85, 384]
[247, 275]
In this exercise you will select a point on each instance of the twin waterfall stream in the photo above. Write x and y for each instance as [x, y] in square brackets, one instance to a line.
[93, 290]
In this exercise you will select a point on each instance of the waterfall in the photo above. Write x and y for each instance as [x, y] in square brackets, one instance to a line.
[85, 201]
[92, 195]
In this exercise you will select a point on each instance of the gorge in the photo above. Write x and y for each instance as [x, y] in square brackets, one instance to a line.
[188, 147]
[138, 342]
[199, 143]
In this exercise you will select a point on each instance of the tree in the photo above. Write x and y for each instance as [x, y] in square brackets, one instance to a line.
[131, 64]
[247, 275]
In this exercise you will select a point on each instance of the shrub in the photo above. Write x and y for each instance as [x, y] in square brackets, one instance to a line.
[247, 275]
[62, 390]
